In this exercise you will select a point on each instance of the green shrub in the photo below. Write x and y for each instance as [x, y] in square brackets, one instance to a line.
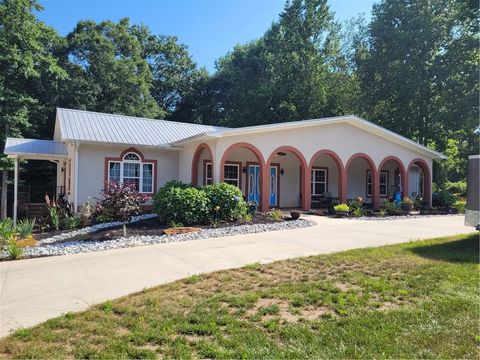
[25, 227]
[407, 204]
[458, 188]
[229, 200]
[443, 198]
[248, 217]
[358, 212]
[54, 217]
[391, 208]
[14, 249]
[184, 204]
[341, 208]
[459, 206]
[72, 222]
[275, 214]
[7, 232]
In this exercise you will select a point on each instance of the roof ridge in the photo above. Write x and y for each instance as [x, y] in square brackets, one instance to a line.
[139, 118]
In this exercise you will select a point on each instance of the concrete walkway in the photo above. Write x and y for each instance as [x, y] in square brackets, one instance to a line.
[35, 290]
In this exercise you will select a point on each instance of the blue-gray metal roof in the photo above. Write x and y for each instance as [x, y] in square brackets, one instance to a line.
[88, 126]
[16, 146]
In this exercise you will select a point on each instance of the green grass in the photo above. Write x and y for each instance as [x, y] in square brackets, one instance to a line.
[415, 300]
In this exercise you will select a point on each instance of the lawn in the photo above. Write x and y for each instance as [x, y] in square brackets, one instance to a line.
[415, 300]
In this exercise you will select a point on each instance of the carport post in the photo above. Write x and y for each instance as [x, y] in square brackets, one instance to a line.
[15, 190]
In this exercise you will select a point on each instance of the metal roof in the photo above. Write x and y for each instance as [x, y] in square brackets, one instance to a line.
[88, 126]
[35, 148]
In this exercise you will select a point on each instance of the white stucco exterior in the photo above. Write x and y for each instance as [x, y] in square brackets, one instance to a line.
[346, 147]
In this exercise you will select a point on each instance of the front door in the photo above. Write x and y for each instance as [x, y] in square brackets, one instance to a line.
[254, 183]
[273, 186]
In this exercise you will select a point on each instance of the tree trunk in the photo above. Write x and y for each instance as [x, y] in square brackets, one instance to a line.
[3, 210]
[124, 229]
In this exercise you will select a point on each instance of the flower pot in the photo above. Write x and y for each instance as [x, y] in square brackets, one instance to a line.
[295, 215]
[341, 213]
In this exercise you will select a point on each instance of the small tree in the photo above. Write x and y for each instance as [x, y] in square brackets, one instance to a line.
[122, 201]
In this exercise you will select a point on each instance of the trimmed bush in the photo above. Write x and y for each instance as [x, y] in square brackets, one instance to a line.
[180, 204]
[443, 198]
[228, 198]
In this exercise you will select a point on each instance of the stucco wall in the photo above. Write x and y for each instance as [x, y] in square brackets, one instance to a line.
[92, 167]
[344, 139]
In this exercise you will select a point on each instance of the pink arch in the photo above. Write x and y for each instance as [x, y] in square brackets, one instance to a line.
[371, 164]
[403, 172]
[196, 159]
[427, 183]
[305, 175]
[263, 204]
[340, 168]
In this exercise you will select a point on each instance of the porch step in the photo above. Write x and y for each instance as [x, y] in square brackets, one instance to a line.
[35, 209]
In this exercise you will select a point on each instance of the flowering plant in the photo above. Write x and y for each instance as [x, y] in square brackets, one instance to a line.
[121, 202]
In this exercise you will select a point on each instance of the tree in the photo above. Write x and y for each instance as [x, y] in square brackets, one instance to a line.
[290, 73]
[418, 69]
[108, 70]
[25, 59]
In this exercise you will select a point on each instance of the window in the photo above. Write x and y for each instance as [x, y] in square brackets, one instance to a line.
[319, 181]
[232, 174]
[383, 185]
[207, 173]
[131, 170]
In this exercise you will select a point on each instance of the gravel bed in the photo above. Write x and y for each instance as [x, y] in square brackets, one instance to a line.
[398, 217]
[91, 229]
[75, 247]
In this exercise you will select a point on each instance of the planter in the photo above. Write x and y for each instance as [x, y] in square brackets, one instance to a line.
[341, 214]
[180, 230]
[295, 215]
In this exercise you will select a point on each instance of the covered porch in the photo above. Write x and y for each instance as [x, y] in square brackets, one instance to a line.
[34, 149]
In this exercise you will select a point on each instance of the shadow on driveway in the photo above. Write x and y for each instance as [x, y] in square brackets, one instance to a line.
[461, 251]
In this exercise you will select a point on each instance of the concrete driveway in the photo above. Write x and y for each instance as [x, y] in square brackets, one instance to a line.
[35, 290]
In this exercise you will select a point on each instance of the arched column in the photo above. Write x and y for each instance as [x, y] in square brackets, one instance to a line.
[427, 180]
[342, 191]
[263, 179]
[373, 169]
[196, 159]
[304, 179]
[403, 173]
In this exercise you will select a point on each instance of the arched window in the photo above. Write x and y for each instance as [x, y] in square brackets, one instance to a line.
[132, 170]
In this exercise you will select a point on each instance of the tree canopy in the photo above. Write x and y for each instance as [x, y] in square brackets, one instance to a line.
[413, 69]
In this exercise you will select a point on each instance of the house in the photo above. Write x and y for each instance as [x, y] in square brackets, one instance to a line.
[286, 165]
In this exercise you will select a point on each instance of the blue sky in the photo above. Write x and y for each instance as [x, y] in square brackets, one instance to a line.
[210, 28]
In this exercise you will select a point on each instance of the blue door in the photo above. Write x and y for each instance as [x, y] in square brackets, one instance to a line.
[274, 186]
[254, 183]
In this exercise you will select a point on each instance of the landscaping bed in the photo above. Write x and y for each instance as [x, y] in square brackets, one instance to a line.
[413, 300]
[149, 232]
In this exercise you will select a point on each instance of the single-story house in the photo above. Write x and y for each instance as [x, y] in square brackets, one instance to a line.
[285, 165]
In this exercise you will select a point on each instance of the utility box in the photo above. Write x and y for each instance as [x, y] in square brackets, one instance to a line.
[472, 208]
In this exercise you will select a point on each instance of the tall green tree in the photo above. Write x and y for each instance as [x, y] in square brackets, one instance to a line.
[108, 71]
[418, 68]
[291, 73]
[25, 59]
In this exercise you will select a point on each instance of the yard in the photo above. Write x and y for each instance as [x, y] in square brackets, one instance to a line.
[419, 299]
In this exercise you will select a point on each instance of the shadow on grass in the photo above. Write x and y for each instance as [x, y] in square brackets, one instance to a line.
[462, 251]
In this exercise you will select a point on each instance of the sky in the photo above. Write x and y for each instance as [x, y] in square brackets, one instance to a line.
[210, 28]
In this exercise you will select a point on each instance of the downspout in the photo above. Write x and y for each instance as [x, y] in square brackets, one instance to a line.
[75, 181]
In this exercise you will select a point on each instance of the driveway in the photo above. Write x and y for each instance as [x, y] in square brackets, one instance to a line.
[35, 290]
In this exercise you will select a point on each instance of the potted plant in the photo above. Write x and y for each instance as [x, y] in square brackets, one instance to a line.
[341, 210]
[407, 204]
[295, 215]
[252, 207]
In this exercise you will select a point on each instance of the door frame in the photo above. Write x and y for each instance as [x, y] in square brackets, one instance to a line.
[277, 165]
